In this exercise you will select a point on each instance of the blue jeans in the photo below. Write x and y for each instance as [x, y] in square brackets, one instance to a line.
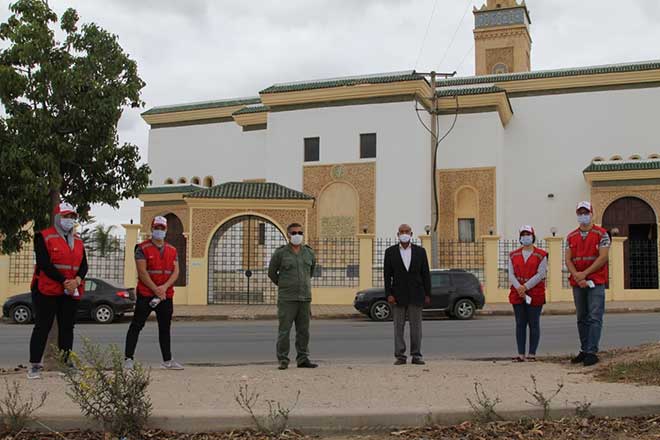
[527, 316]
[590, 308]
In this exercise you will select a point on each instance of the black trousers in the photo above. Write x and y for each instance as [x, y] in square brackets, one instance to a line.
[46, 308]
[164, 312]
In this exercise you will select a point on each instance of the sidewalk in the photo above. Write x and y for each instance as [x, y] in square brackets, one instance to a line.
[352, 396]
[226, 312]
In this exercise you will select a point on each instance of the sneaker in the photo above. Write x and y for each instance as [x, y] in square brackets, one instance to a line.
[400, 362]
[283, 366]
[590, 359]
[129, 364]
[68, 369]
[34, 372]
[172, 365]
[579, 358]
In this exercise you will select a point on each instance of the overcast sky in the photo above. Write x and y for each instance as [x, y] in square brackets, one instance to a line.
[212, 49]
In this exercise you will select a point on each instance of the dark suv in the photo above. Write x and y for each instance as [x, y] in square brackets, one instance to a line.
[456, 292]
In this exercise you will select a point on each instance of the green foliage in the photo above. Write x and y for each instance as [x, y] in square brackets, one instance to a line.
[483, 407]
[106, 392]
[58, 131]
[276, 421]
[16, 410]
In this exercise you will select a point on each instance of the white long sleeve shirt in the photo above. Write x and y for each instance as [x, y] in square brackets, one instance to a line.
[533, 281]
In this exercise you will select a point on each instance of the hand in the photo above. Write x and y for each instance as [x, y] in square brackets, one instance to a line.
[391, 299]
[583, 284]
[70, 285]
[427, 300]
[579, 276]
[521, 290]
[161, 292]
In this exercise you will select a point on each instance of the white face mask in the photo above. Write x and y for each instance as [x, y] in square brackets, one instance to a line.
[296, 240]
[404, 238]
[158, 234]
[584, 219]
[526, 240]
[67, 224]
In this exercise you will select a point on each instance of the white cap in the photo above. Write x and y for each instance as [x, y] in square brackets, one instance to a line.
[65, 208]
[159, 220]
[527, 228]
[584, 204]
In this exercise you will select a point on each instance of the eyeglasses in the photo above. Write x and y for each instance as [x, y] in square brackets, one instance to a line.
[292, 233]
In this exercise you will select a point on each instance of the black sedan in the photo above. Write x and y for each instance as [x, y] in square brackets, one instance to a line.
[103, 302]
[456, 292]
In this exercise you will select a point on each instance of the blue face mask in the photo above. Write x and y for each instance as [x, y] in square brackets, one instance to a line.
[526, 240]
[584, 219]
[67, 224]
[158, 234]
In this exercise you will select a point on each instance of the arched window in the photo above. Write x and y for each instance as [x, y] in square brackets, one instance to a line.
[195, 180]
[208, 181]
[616, 157]
[183, 180]
[500, 68]
[635, 157]
[169, 181]
[467, 213]
[598, 159]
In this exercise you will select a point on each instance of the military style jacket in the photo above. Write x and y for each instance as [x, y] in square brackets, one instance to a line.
[292, 273]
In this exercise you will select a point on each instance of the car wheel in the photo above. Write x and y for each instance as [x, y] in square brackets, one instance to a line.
[380, 311]
[464, 309]
[103, 314]
[21, 314]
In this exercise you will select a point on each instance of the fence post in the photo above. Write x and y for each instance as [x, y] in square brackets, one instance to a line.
[554, 279]
[491, 263]
[4, 276]
[130, 272]
[427, 245]
[617, 267]
[366, 260]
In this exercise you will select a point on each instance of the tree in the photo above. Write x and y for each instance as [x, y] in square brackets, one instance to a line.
[104, 242]
[58, 132]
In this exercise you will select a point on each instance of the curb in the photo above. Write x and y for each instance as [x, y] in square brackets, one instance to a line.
[335, 422]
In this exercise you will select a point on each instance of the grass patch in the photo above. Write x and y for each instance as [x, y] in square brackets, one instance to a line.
[642, 371]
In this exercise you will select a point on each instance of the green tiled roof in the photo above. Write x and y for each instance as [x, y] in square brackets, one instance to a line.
[249, 190]
[202, 105]
[254, 108]
[378, 78]
[592, 70]
[623, 165]
[171, 189]
[448, 91]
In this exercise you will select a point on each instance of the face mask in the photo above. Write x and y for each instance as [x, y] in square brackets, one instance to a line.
[296, 240]
[584, 220]
[526, 240]
[404, 238]
[67, 224]
[158, 234]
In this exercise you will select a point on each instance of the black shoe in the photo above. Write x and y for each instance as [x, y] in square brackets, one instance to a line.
[418, 362]
[307, 364]
[283, 366]
[590, 359]
[579, 358]
[400, 362]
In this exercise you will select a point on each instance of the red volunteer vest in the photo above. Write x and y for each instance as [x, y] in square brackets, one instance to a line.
[66, 260]
[525, 270]
[585, 252]
[159, 268]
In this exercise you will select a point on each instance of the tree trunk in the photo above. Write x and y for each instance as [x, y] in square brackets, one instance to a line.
[50, 355]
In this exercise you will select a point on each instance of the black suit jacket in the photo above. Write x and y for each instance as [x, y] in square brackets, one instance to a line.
[407, 286]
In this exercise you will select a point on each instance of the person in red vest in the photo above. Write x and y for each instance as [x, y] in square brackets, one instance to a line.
[158, 268]
[57, 284]
[528, 267]
[587, 253]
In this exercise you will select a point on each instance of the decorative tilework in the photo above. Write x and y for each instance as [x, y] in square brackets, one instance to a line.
[147, 214]
[602, 197]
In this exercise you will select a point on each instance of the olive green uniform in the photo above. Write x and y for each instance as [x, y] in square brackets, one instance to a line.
[292, 273]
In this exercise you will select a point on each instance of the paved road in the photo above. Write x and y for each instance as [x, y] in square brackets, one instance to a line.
[237, 342]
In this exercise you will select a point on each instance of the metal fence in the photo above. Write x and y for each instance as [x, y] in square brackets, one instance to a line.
[379, 247]
[505, 248]
[337, 262]
[107, 262]
[468, 256]
[21, 265]
[642, 267]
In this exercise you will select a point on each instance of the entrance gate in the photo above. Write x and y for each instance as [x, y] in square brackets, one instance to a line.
[238, 261]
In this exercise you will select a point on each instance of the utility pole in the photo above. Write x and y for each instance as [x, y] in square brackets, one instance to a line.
[434, 151]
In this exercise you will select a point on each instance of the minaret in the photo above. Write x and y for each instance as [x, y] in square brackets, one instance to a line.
[502, 43]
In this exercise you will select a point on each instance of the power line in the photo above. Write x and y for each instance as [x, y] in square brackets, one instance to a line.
[426, 34]
[465, 57]
[453, 38]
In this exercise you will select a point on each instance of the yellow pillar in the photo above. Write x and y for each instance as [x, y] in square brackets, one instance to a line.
[4, 276]
[366, 260]
[617, 275]
[130, 271]
[491, 260]
[198, 281]
[555, 264]
[427, 245]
